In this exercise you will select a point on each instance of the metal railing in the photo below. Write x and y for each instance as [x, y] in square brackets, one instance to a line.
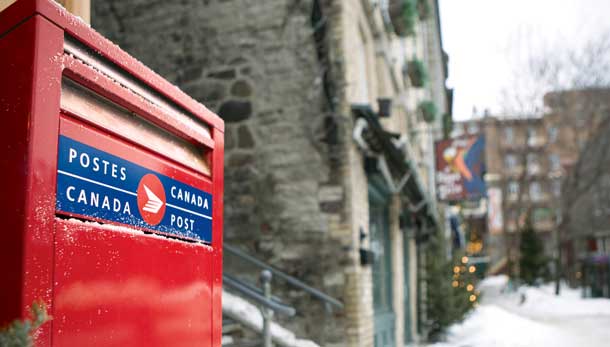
[327, 299]
[269, 303]
[258, 295]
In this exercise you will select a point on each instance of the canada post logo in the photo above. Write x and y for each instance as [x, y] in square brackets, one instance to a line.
[97, 185]
[151, 199]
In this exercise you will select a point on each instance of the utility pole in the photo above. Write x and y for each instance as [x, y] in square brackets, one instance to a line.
[558, 251]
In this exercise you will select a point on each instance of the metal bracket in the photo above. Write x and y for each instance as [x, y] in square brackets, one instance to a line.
[416, 208]
[359, 128]
[382, 164]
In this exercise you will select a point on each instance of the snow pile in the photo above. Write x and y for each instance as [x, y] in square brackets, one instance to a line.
[250, 316]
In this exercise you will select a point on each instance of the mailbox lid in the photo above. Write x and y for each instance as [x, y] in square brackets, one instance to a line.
[75, 28]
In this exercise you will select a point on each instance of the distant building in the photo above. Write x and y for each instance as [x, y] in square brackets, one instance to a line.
[528, 160]
[517, 166]
[577, 124]
[318, 183]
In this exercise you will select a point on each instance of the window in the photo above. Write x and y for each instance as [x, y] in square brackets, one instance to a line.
[556, 188]
[473, 128]
[532, 138]
[509, 135]
[531, 133]
[535, 191]
[458, 130]
[379, 229]
[533, 166]
[513, 190]
[542, 214]
[512, 220]
[555, 163]
[510, 161]
[553, 132]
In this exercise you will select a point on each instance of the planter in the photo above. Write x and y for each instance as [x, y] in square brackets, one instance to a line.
[447, 125]
[423, 9]
[427, 110]
[385, 107]
[416, 71]
[403, 15]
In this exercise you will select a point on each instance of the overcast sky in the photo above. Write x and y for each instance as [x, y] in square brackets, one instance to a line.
[485, 38]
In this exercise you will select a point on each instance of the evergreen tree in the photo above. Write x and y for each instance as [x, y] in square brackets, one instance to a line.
[448, 293]
[19, 332]
[532, 261]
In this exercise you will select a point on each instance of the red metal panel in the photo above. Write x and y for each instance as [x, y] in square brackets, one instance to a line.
[30, 99]
[117, 287]
[218, 176]
[104, 284]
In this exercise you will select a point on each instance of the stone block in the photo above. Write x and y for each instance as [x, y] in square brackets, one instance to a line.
[227, 74]
[245, 138]
[330, 193]
[235, 111]
[241, 88]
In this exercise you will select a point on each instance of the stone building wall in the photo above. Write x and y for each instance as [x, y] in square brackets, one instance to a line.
[261, 66]
[283, 74]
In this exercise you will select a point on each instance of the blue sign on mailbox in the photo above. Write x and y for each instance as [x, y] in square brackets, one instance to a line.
[96, 184]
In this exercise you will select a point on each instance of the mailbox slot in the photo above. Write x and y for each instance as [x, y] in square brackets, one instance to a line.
[196, 129]
[86, 105]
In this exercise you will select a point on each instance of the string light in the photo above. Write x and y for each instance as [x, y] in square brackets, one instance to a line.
[456, 269]
[464, 259]
[472, 298]
[454, 284]
[472, 269]
[469, 287]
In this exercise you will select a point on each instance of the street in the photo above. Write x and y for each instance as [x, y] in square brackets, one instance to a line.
[542, 319]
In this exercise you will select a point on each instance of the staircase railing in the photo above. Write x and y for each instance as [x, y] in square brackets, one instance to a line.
[257, 295]
[325, 298]
[268, 303]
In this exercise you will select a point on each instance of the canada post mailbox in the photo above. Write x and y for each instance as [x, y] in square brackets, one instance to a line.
[112, 191]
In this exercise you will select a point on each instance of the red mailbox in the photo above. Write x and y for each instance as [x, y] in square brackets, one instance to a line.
[113, 187]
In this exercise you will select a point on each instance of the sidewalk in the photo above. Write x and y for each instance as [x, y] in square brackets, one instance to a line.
[542, 319]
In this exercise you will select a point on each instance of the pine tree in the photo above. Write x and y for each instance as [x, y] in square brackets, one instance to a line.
[532, 261]
[448, 293]
[19, 333]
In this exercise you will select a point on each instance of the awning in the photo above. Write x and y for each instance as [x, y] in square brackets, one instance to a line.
[384, 154]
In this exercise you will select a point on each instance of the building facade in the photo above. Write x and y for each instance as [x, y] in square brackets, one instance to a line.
[529, 161]
[577, 123]
[321, 181]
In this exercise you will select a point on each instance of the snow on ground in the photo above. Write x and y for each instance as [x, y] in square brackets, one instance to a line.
[250, 316]
[532, 317]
